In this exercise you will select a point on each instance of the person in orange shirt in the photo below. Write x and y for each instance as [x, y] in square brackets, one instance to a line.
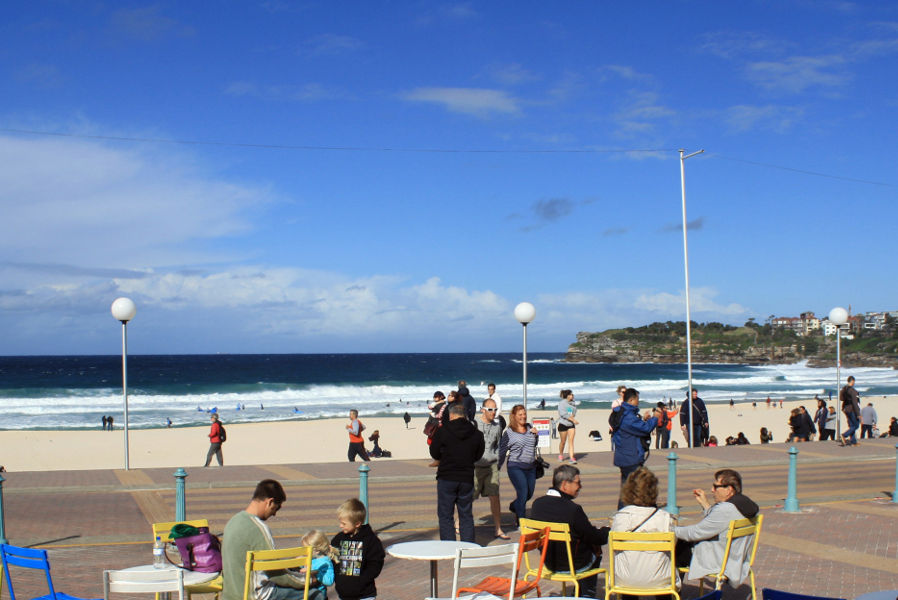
[670, 413]
[356, 441]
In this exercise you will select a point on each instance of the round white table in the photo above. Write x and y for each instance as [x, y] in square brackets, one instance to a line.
[432, 550]
[881, 595]
[190, 577]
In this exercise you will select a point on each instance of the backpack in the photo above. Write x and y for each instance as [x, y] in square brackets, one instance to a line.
[662, 422]
[222, 434]
[615, 418]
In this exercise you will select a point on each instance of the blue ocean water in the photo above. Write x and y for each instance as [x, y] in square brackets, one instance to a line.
[47, 392]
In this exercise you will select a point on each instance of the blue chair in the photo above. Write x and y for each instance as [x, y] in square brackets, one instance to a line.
[771, 594]
[715, 595]
[29, 558]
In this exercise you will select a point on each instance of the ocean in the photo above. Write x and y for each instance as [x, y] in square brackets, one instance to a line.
[75, 392]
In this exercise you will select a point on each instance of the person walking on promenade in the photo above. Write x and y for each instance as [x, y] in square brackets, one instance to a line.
[567, 425]
[852, 408]
[356, 441]
[629, 450]
[486, 469]
[492, 395]
[214, 442]
[700, 428]
[662, 431]
[518, 446]
[832, 420]
[467, 399]
[868, 421]
[820, 417]
[457, 446]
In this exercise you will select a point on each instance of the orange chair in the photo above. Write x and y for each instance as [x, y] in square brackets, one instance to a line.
[501, 586]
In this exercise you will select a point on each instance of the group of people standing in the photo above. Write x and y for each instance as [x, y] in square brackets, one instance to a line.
[107, 423]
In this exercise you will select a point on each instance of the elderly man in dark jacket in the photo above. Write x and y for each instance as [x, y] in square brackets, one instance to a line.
[629, 451]
[558, 506]
[457, 445]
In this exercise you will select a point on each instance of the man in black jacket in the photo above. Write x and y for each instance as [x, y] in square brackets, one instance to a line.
[558, 506]
[457, 445]
[468, 400]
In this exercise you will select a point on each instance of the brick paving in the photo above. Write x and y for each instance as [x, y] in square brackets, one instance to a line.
[843, 543]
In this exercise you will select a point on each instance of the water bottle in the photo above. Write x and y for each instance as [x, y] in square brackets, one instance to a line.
[158, 554]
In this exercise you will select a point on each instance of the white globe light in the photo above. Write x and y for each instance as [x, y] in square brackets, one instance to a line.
[524, 312]
[838, 315]
[123, 309]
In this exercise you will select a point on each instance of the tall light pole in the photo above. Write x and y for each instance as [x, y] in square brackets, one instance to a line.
[524, 313]
[838, 317]
[688, 313]
[123, 309]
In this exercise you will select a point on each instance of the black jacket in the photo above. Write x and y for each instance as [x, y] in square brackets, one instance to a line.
[470, 403]
[457, 445]
[586, 539]
[360, 562]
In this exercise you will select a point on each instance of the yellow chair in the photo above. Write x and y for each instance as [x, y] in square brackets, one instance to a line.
[622, 541]
[558, 532]
[276, 560]
[210, 587]
[739, 528]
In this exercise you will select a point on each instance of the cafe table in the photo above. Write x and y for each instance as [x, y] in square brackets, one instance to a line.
[432, 550]
[190, 577]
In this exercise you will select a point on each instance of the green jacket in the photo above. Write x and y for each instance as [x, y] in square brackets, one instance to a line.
[243, 533]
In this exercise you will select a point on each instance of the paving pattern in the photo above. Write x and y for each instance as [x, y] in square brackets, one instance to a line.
[843, 542]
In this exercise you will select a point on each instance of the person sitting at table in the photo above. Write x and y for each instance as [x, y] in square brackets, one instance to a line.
[247, 531]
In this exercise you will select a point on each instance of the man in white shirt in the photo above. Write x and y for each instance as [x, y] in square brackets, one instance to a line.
[492, 395]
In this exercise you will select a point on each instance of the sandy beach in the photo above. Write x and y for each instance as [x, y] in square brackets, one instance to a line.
[295, 442]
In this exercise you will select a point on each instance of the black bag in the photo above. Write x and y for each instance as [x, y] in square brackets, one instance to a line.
[222, 434]
[540, 465]
[615, 418]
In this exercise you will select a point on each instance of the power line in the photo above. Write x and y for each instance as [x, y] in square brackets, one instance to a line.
[802, 171]
[334, 148]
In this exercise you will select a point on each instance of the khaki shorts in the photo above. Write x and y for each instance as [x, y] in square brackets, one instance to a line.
[486, 481]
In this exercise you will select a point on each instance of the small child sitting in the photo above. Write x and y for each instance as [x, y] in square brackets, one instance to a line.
[360, 554]
[322, 564]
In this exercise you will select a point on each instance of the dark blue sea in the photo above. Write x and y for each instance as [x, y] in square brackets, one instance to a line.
[52, 392]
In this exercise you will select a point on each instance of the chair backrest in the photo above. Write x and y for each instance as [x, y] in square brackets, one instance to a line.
[640, 541]
[772, 594]
[163, 529]
[276, 560]
[28, 558]
[740, 528]
[558, 532]
[534, 540]
[488, 556]
[143, 582]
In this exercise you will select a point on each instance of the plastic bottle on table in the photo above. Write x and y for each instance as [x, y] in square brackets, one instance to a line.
[158, 554]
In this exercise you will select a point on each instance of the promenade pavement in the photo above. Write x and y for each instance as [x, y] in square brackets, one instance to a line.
[842, 543]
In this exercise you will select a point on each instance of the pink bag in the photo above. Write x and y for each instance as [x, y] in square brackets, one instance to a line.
[201, 552]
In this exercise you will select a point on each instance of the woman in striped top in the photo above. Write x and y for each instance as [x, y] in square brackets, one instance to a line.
[518, 445]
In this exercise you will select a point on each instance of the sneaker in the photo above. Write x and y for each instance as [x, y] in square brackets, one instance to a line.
[573, 461]
[561, 458]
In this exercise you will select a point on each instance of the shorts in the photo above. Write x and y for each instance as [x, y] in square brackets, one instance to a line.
[562, 427]
[486, 481]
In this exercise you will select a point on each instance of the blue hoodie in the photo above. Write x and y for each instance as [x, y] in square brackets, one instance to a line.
[628, 450]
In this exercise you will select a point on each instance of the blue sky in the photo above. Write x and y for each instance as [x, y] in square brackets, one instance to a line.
[397, 176]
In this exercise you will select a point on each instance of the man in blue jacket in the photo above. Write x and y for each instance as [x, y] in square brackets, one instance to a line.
[629, 450]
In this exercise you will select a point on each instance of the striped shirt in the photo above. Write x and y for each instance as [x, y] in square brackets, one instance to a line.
[519, 448]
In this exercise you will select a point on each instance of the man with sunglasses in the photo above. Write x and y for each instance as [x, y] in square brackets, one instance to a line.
[486, 470]
[246, 531]
[707, 538]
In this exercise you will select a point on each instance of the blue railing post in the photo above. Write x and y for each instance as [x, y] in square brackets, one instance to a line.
[363, 489]
[791, 504]
[180, 498]
[3, 539]
[894, 494]
[672, 507]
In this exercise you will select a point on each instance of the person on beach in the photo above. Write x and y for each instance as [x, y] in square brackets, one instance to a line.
[356, 441]
[518, 447]
[105, 422]
[798, 427]
[467, 399]
[662, 431]
[567, 425]
[407, 418]
[766, 436]
[322, 567]
[641, 514]
[492, 395]
[454, 398]
[820, 417]
[629, 449]
[214, 442]
[704, 553]
[615, 405]
[852, 408]
[700, 428]
[558, 506]
[247, 531]
[868, 421]
[456, 446]
[360, 553]
[893, 428]
[486, 469]
[109, 423]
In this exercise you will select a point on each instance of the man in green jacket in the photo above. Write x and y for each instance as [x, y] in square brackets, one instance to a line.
[247, 531]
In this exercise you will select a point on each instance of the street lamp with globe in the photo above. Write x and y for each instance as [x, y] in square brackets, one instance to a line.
[123, 309]
[838, 317]
[524, 313]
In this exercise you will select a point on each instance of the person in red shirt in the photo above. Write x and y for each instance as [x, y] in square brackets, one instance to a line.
[214, 442]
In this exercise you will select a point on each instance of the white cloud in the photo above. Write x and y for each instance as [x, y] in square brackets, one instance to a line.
[768, 117]
[472, 101]
[798, 73]
[701, 301]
